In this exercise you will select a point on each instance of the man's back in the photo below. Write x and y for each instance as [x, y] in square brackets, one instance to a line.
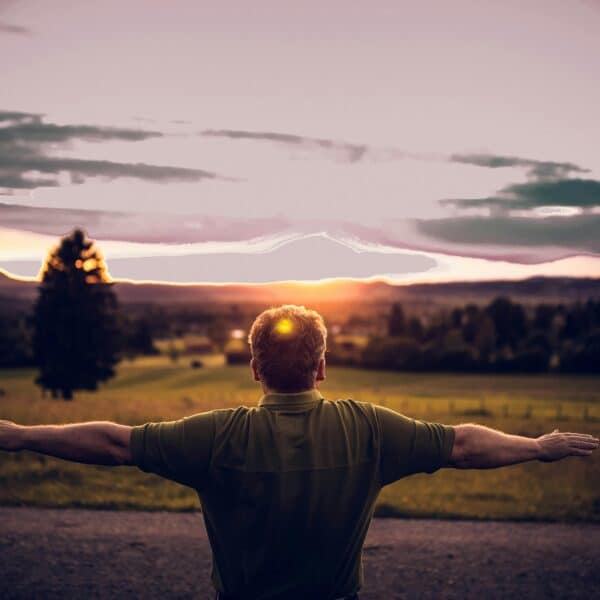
[288, 488]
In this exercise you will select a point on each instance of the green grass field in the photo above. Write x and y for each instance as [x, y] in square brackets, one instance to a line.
[152, 389]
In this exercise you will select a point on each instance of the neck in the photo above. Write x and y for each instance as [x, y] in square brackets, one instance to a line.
[266, 390]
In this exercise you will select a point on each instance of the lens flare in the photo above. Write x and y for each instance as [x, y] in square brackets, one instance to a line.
[284, 326]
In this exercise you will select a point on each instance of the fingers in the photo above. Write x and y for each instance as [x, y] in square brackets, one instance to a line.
[578, 437]
[580, 440]
[579, 443]
[580, 452]
[583, 444]
[558, 445]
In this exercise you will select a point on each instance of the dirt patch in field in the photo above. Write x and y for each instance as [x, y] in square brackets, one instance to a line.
[46, 553]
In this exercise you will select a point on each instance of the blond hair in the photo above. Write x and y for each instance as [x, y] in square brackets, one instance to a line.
[287, 343]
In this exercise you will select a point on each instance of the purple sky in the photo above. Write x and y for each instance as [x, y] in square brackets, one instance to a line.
[231, 141]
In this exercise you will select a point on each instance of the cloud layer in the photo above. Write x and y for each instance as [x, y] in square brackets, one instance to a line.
[350, 152]
[577, 193]
[307, 259]
[506, 227]
[148, 227]
[537, 169]
[10, 28]
[576, 234]
[26, 161]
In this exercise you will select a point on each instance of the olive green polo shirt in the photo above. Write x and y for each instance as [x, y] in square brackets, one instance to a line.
[288, 487]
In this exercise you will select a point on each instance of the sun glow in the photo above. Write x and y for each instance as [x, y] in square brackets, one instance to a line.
[284, 326]
[90, 264]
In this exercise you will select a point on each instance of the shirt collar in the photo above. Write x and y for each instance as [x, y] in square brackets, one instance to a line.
[291, 400]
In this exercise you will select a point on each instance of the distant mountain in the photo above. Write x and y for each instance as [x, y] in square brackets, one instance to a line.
[551, 289]
[559, 289]
[15, 291]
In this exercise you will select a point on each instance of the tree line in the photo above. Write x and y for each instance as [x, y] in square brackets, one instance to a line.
[500, 337]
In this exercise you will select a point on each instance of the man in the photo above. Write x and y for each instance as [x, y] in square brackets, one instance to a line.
[288, 487]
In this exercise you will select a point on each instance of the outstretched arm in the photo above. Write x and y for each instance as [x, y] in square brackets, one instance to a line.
[479, 447]
[99, 442]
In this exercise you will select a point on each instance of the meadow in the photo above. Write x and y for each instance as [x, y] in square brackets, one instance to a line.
[156, 388]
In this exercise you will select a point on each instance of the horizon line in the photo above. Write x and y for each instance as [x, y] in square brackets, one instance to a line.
[309, 283]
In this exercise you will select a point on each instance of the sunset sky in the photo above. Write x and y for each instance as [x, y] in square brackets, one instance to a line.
[267, 140]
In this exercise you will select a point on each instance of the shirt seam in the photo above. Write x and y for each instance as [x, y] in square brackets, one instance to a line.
[137, 443]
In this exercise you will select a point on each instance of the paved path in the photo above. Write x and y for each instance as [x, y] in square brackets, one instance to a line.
[104, 554]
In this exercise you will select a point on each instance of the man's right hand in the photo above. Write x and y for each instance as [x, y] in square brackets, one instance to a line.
[557, 445]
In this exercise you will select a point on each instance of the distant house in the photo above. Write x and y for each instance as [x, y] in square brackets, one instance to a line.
[347, 349]
[169, 345]
[237, 352]
[197, 344]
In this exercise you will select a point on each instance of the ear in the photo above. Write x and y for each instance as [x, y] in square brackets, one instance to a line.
[254, 371]
[321, 370]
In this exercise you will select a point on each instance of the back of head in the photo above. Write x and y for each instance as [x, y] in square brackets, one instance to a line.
[287, 343]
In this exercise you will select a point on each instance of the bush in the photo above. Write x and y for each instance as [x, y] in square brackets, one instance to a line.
[392, 353]
[583, 357]
[531, 360]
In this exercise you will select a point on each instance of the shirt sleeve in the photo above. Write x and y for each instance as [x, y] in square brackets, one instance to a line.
[411, 446]
[177, 450]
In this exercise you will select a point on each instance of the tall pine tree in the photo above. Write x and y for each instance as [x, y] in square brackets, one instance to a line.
[76, 335]
[396, 320]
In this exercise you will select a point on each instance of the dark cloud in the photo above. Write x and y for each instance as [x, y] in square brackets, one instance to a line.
[28, 128]
[14, 29]
[538, 169]
[14, 171]
[515, 240]
[580, 193]
[351, 152]
[568, 233]
[25, 140]
[137, 227]
[579, 233]
[13, 115]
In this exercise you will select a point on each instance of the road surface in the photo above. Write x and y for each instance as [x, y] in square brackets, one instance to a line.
[47, 553]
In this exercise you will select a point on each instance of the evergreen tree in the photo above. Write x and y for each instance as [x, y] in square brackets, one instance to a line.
[510, 321]
[396, 321]
[75, 339]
